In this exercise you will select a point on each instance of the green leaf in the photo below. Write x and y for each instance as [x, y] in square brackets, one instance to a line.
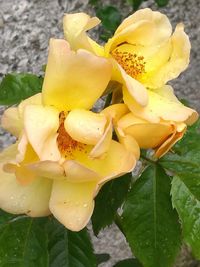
[107, 202]
[162, 3]
[188, 207]
[128, 263]
[16, 87]
[149, 221]
[23, 242]
[94, 2]
[185, 159]
[135, 3]
[69, 249]
[110, 17]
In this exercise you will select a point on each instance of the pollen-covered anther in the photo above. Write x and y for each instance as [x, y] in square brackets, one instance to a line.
[133, 64]
[66, 144]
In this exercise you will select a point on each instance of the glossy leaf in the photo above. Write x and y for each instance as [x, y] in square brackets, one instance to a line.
[149, 221]
[67, 248]
[23, 241]
[188, 207]
[128, 263]
[16, 87]
[107, 202]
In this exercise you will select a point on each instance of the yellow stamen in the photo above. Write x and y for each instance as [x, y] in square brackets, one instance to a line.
[133, 64]
[66, 144]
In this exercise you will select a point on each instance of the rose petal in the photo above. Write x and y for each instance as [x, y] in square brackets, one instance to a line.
[73, 80]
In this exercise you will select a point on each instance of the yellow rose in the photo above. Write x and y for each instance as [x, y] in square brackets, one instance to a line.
[145, 55]
[65, 152]
[134, 132]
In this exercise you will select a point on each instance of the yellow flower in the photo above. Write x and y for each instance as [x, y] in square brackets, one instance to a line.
[145, 55]
[135, 133]
[143, 50]
[65, 152]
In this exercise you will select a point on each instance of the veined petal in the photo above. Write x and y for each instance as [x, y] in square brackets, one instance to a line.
[78, 173]
[32, 199]
[75, 27]
[12, 122]
[73, 80]
[161, 105]
[41, 125]
[72, 203]
[85, 126]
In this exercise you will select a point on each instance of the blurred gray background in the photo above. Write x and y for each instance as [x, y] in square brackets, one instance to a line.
[25, 29]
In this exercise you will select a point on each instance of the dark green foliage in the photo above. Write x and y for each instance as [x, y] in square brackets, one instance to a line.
[107, 202]
[16, 87]
[42, 242]
[185, 164]
[149, 221]
[128, 263]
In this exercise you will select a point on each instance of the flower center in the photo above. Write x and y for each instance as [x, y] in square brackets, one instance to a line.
[66, 144]
[133, 64]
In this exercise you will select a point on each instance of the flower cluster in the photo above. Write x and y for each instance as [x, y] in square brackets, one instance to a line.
[65, 151]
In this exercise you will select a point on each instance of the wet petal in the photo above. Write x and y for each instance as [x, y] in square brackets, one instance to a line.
[41, 125]
[73, 80]
[75, 27]
[72, 203]
[85, 126]
[32, 199]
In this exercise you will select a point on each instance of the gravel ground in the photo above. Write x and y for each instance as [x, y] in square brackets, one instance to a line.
[25, 29]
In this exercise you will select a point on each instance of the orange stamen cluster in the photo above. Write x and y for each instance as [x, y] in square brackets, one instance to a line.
[66, 144]
[133, 64]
